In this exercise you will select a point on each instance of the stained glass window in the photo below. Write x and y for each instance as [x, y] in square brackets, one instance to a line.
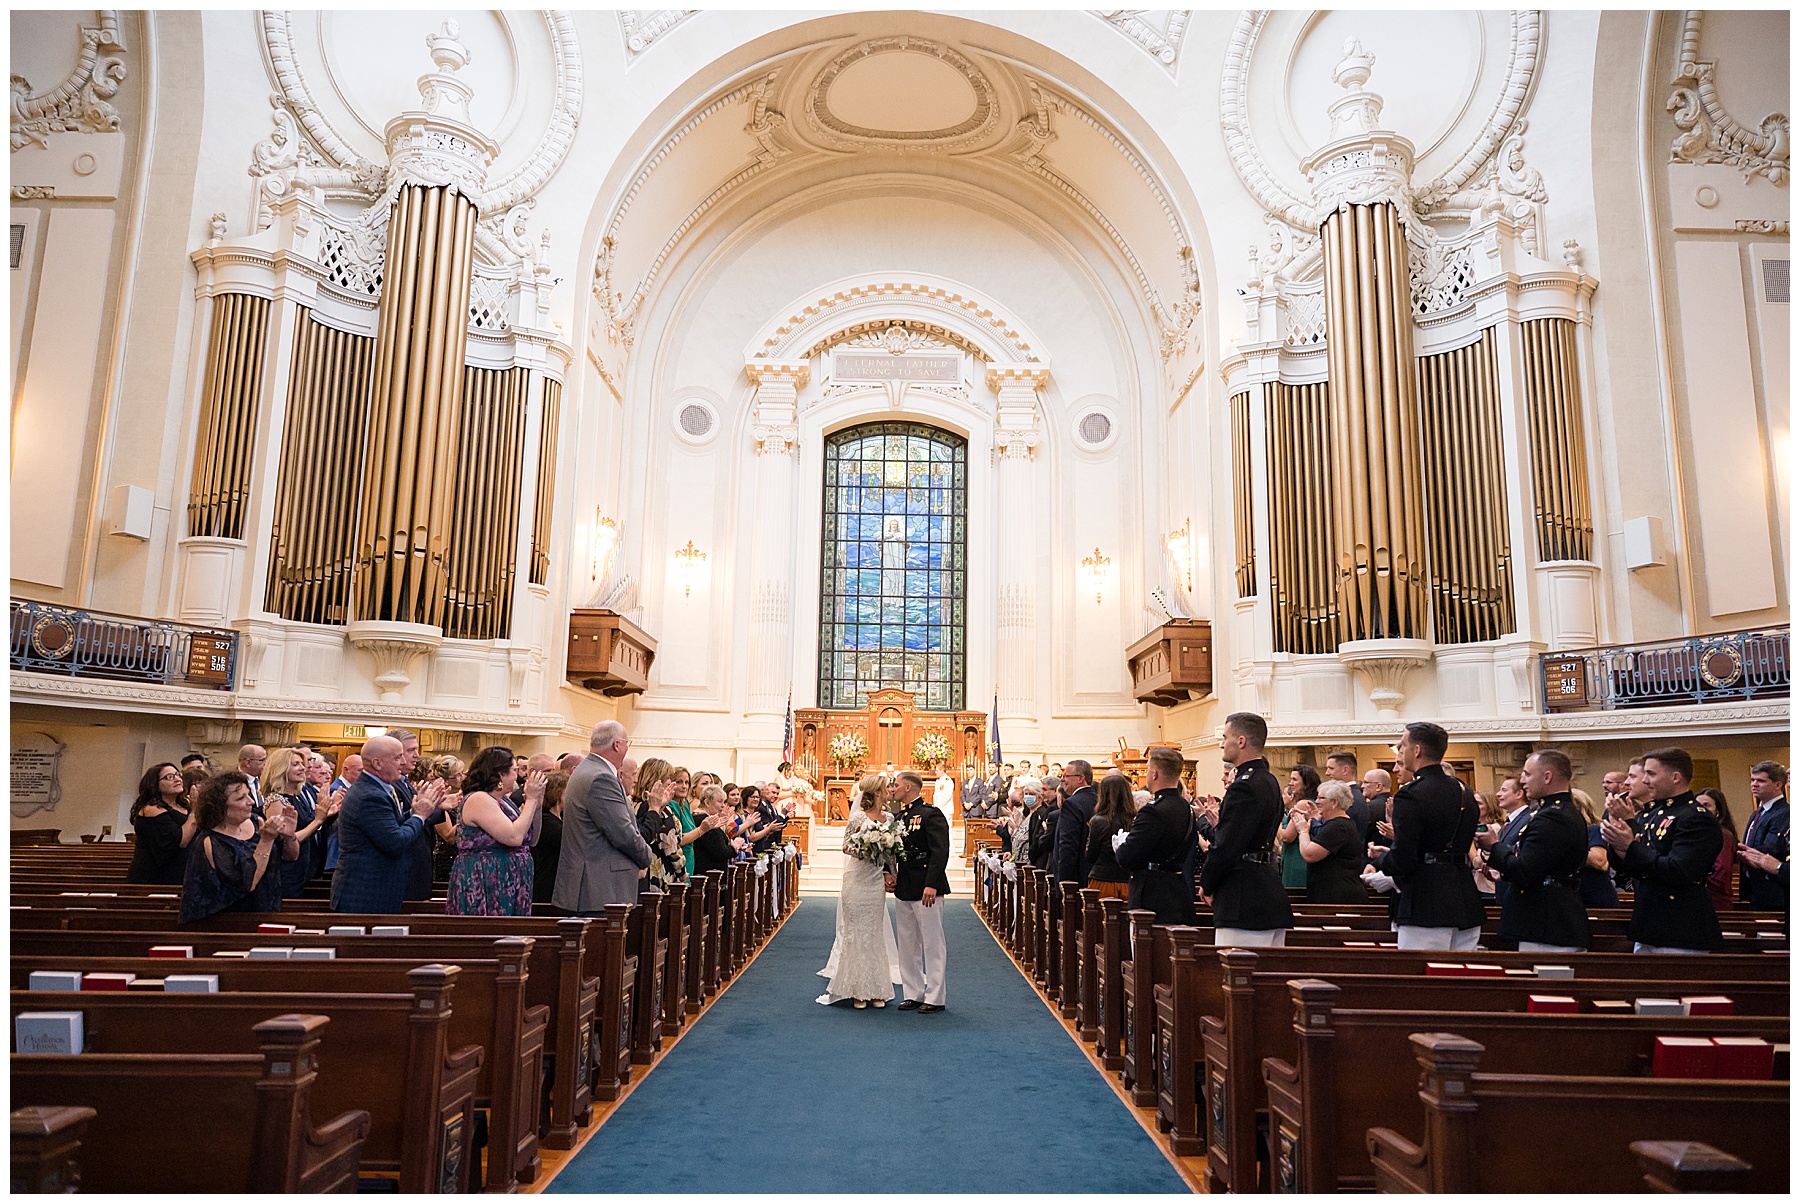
[894, 585]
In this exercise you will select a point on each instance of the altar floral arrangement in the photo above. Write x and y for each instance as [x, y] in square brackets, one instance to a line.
[848, 748]
[880, 843]
[932, 749]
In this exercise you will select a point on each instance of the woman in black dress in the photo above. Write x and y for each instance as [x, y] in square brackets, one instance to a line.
[164, 821]
[1334, 853]
[712, 851]
[228, 865]
[1113, 813]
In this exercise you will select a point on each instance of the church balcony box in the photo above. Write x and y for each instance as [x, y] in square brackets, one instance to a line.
[245, 1120]
[1253, 1020]
[1737, 666]
[1355, 1070]
[67, 642]
[556, 978]
[608, 653]
[1169, 662]
[1587, 1126]
[388, 1054]
[490, 1011]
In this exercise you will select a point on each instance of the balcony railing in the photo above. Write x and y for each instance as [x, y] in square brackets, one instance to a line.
[83, 643]
[1738, 666]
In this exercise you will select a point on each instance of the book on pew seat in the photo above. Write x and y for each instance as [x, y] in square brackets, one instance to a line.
[278, 929]
[1516, 972]
[72, 894]
[145, 984]
[1554, 971]
[271, 953]
[390, 930]
[162, 896]
[308, 932]
[1744, 1058]
[1474, 970]
[191, 984]
[1337, 928]
[1658, 1007]
[1612, 1007]
[47, 1033]
[171, 951]
[232, 953]
[346, 930]
[1551, 1004]
[1707, 1005]
[1444, 969]
[103, 894]
[1685, 1058]
[1359, 944]
[303, 954]
[54, 980]
[107, 981]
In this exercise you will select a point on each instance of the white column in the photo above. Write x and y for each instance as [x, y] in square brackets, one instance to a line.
[771, 567]
[1016, 436]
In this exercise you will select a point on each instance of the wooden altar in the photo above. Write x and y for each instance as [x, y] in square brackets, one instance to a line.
[890, 725]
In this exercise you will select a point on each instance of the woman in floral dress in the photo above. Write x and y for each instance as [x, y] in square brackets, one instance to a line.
[492, 874]
[658, 825]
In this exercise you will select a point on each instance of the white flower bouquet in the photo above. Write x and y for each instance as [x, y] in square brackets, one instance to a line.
[848, 748]
[880, 844]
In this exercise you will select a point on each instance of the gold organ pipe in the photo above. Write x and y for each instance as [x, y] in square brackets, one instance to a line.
[1562, 498]
[225, 442]
[542, 509]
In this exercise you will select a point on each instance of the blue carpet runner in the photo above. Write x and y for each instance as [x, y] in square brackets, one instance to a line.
[770, 1092]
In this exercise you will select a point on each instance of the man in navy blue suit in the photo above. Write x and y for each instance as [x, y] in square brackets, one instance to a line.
[376, 833]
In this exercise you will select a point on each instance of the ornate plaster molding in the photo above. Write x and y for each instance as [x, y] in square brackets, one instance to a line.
[1709, 134]
[81, 103]
[1162, 44]
[1754, 226]
[641, 27]
[835, 130]
[780, 440]
[811, 322]
[1277, 199]
[306, 140]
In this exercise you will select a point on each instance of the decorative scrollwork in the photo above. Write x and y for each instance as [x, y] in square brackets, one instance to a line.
[81, 103]
[1709, 134]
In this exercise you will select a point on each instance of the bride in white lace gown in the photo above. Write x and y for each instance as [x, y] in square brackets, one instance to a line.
[865, 961]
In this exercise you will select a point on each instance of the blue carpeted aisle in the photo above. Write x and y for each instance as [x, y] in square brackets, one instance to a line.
[771, 1092]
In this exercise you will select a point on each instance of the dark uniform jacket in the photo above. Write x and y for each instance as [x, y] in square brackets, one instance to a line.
[1242, 872]
[1671, 860]
[1542, 868]
[927, 852]
[1153, 854]
[1072, 862]
[1434, 818]
[1767, 833]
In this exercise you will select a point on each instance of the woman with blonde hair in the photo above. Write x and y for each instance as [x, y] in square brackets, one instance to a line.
[864, 957]
[284, 777]
[660, 829]
[450, 771]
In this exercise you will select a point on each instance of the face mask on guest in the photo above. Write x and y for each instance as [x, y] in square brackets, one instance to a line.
[1030, 801]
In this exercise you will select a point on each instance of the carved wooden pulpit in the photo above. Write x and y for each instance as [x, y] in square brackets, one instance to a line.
[890, 725]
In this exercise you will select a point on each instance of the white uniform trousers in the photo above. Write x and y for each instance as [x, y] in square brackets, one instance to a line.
[1250, 938]
[1412, 936]
[919, 931]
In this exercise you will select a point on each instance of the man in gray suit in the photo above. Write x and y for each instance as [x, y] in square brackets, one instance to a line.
[602, 851]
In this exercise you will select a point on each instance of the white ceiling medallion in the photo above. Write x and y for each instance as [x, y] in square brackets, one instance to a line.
[901, 92]
[1158, 32]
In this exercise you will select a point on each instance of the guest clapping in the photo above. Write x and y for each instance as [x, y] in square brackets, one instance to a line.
[1334, 852]
[164, 821]
[493, 873]
[229, 864]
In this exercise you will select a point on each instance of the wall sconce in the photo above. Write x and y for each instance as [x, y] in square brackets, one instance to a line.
[1095, 566]
[606, 538]
[691, 561]
[1181, 550]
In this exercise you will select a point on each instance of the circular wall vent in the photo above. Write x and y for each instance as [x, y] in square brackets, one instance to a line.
[696, 420]
[1095, 428]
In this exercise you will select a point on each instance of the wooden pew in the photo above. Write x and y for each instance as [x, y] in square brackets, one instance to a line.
[1587, 1126]
[1068, 910]
[675, 929]
[649, 945]
[380, 1057]
[1087, 972]
[1149, 965]
[1257, 1024]
[556, 979]
[220, 1122]
[490, 1011]
[1109, 989]
[46, 1144]
[1690, 1166]
[1355, 1070]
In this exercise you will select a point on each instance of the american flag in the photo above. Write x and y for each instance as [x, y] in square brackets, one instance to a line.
[787, 737]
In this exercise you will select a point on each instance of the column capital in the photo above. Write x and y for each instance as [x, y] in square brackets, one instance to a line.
[792, 373]
[1032, 376]
[1018, 444]
[777, 439]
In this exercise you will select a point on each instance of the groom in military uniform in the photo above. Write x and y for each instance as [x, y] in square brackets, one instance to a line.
[919, 887]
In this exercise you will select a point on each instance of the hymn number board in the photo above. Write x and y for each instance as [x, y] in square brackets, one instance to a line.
[1565, 682]
[209, 659]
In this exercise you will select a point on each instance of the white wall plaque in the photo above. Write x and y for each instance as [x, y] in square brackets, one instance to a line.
[36, 773]
[859, 366]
